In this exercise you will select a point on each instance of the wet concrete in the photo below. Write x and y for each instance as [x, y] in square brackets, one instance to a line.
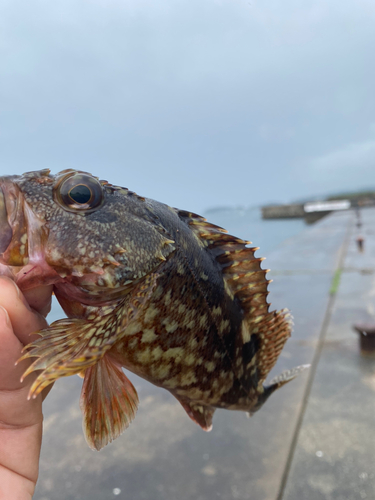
[315, 250]
[334, 457]
[163, 455]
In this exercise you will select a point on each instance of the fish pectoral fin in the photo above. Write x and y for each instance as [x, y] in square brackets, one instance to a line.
[68, 347]
[200, 414]
[108, 402]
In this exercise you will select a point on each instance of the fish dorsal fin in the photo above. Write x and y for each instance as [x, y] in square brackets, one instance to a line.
[273, 331]
[210, 235]
[246, 280]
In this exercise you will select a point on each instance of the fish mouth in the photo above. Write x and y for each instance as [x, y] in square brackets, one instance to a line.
[22, 239]
[13, 227]
[6, 232]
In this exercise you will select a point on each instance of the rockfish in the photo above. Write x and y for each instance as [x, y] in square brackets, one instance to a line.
[156, 290]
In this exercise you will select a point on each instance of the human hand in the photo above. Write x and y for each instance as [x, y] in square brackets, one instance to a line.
[20, 419]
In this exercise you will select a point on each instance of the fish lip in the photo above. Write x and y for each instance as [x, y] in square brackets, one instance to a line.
[6, 232]
[10, 194]
[17, 221]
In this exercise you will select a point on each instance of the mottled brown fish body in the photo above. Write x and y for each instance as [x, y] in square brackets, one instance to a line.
[157, 290]
[183, 341]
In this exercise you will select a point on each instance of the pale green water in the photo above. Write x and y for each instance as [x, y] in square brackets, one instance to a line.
[248, 224]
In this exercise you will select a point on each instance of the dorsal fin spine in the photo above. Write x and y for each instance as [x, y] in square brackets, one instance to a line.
[246, 280]
[241, 269]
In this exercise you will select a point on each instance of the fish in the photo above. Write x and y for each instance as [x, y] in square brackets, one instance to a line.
[145, 287]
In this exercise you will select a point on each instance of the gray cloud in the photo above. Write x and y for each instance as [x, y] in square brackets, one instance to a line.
[347, 168]
[359, 155]
[195, 103]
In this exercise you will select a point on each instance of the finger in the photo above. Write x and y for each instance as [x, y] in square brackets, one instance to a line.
[9, 353]
[40, 299]
[15, 409]
[20, 419]
[23, 319]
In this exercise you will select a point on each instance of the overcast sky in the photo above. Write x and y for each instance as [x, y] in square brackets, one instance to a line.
[196, 103]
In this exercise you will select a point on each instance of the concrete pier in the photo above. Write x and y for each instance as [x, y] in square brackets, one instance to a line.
[334, 450]
[283, 211]
[314, 439]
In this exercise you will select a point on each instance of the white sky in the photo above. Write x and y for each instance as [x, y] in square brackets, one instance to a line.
[195, 103]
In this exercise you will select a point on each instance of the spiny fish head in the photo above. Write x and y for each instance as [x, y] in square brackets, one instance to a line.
[78, 228]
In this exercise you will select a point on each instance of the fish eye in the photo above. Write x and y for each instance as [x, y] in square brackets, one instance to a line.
[78, 192]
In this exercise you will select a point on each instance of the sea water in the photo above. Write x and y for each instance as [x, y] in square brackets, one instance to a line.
[247, 223]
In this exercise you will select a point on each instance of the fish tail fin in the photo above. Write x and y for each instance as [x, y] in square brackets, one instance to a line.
[108, 402]
[285, 377]
[277, 382]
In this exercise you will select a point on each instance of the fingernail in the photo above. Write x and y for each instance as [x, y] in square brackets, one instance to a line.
[16, 287]
[6, 315]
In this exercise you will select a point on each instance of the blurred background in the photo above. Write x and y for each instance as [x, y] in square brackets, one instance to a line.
[214, 106]
[197, 103]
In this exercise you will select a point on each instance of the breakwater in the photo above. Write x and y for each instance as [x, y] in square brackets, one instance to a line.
[283, 211]
[310, 212]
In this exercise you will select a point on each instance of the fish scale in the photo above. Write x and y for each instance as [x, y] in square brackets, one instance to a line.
[146, 287]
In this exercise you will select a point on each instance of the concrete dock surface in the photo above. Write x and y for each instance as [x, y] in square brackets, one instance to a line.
[314, 439]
